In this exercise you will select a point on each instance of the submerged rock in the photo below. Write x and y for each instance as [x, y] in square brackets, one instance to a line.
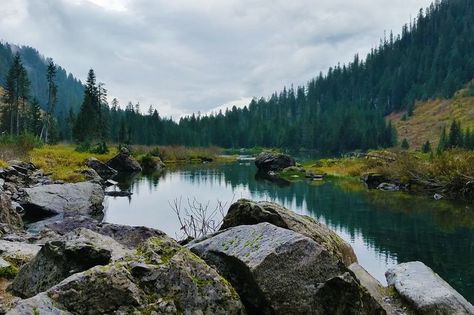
[104, 171]
[124, 162]
[388, 187]
[67, 199]
[276, 162]
[426, 291]
[246, 212]
[278, 271]
[57, 260]
[161, 278]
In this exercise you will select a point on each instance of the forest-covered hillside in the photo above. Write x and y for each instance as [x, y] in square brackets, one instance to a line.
[70, 89]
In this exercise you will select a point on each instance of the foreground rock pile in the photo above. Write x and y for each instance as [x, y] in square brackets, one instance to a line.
[264, 260]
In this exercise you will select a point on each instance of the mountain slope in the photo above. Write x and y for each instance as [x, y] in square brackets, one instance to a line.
[430, 117]
[70, 89]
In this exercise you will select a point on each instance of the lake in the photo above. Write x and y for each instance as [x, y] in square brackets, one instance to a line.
[384, 228]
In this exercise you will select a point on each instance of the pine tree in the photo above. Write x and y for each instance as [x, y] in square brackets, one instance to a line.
[52, 100]
[17, 89]
[455, 137]
[443, 141]
[426, 147]
[405, 145]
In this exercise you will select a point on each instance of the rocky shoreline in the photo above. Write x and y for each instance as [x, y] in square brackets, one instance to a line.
[265, 259]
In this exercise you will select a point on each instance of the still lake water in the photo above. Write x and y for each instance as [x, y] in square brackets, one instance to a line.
[383, 228]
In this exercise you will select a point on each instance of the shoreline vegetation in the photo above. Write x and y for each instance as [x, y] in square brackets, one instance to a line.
[448, 174]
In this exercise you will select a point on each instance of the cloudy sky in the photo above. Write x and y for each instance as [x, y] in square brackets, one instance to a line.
[186, 56]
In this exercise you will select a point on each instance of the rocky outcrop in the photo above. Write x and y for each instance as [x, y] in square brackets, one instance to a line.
[67, 199]
[104, 171]
[57, 260]
[10, 219]
[278, 271]
[275, 162]
[162, 278]
[245, 212]
[426, 291]
[124, 162]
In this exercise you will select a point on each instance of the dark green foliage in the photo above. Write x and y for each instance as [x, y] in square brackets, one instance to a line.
[457, 138]
[426, 147]
[404, 145]
[17, 89]
[69, 89]
[443, 141]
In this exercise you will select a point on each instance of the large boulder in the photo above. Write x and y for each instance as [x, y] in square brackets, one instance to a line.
[129, 236]
[274, 162]
[10, 219]
[426, 291]
[278, 271]
[68, 199]
[101, 168]
[162, 278]
[57, 260]
[246, 212]
[124, 162]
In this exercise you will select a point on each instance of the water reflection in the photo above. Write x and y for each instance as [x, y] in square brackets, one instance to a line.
[383, 228]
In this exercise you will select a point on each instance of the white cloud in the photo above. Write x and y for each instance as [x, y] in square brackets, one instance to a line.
[187, 56]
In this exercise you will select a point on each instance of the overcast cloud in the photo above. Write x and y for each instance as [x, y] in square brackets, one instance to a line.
[186, 56]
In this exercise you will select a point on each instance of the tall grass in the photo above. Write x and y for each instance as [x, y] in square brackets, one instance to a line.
[450, 173]
[63, 161]
[17, 147]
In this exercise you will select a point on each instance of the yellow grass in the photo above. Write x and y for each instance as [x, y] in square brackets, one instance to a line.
[63, 162]
[346, 167]
[431, 117]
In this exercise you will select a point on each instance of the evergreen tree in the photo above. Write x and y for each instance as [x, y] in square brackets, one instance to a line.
[52, 100]
[455, 138]
[405, 145]
[443, 141]
[17, 89]
[426, 147]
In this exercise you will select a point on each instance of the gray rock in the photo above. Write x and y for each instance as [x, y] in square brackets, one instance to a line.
[388, 187]
[128, 236]
[114, 193]
[390, 302]
[69, 199]
[91, 176]
[275, 162]
[278, 271]
[426, 291]
[9, 216]
[57, 260]
[162, 278]
[18, 252]
[124, 162]
[104, 171]
[40, 304]
[246, 212]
